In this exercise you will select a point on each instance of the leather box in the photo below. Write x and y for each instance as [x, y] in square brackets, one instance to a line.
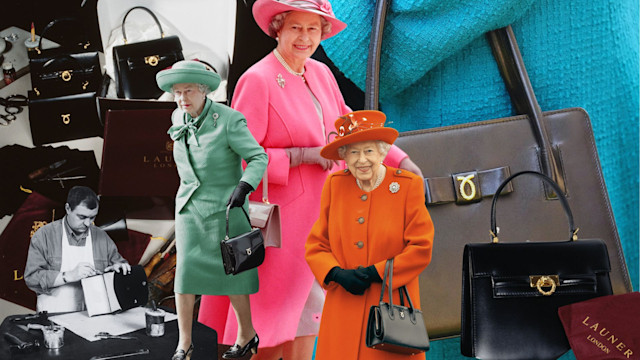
[138, 172]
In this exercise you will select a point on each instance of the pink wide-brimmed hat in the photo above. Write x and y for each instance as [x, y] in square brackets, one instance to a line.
[265, 10]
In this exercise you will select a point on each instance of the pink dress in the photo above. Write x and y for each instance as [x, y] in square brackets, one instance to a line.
[280, 113]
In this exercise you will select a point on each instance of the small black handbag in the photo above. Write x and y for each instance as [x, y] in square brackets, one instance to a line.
[242, 252]
[69, 69]
[63, 118]
[137, 64]
[511, 292]
[396, 328]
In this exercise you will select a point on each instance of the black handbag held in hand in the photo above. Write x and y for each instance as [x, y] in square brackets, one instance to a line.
[511, 292]
[137, 64]
[396, 328]
[242, 252]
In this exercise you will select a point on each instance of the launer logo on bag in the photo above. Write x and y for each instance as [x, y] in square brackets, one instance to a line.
[162, 159]
[467, 187]
[604, 339]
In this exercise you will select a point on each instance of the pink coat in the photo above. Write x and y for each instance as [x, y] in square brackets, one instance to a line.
[282, 117]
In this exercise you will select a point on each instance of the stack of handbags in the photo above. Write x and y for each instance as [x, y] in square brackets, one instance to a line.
[65, 82]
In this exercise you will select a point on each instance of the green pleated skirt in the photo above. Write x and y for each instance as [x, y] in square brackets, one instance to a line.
[199, 268]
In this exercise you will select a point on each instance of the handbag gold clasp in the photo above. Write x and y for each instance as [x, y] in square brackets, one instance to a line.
[541, 281]
[152, 60]
[66, 75]
[66, 118]
[85, 85]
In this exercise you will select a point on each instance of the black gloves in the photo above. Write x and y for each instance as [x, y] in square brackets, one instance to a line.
[354, 281]
[370, 272]
[239, 194]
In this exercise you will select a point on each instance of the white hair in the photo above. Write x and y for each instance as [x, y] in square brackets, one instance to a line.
[383, 148]
[278, 21]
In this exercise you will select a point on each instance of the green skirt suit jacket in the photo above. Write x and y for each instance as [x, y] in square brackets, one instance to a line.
[208, 152]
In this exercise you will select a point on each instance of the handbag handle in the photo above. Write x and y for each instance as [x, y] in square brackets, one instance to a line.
[265, 187]
[573, 231]
[226, 236]
[124, 33]
[514, 74]
[388, 272]
[58, 21]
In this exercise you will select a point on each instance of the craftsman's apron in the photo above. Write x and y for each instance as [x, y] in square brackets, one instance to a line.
[68, 297]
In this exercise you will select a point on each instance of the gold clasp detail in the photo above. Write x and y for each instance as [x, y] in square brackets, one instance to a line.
[152, 60]
[463, 189]
[66, 75]
[66, 118]
[36, 91]
[84, 85]
[540, 281]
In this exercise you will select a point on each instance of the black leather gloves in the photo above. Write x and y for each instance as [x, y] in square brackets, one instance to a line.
[354, 281]
[239, 194]
[370, 272]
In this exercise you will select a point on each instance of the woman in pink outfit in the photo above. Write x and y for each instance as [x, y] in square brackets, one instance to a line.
[290, 102]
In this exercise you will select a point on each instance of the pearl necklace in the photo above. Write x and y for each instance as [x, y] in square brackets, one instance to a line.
[286, 66]
[381, 173]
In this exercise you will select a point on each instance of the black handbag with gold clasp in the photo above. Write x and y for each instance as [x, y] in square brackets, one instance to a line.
[511, 291]
[137, 64]
[72, 68]
[242, 252]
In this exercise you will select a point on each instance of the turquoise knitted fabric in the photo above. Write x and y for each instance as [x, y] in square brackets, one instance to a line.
[437, 70]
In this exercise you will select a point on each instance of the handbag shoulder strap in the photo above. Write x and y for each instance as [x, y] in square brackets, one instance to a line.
[265, 187]
[155, 18]
[563, 199]
[226, 236]
[512, 69]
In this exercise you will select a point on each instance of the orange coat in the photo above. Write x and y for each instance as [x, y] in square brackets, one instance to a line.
[358, 228]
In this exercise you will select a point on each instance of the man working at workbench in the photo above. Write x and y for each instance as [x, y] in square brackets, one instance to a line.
[68, 250]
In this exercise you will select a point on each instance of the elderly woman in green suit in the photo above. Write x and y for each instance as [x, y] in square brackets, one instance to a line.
[210, 142]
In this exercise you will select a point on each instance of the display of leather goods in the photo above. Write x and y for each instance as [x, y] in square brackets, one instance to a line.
[266, 216]
[603, 328]
[65, 70]
[464, 164]
[136, 143]
[36, 211]
[511, 290]
[241, 252]
[136, 64]
[396, 328]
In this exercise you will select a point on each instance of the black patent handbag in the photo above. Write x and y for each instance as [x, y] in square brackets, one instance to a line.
[396, 328]
[73, 68]
[243, 252]
[137, 64]
[511, 292]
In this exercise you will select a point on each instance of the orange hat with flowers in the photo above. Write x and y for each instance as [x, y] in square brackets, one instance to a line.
[357, 126]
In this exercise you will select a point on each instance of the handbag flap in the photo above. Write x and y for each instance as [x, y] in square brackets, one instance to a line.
[554, 258]
[147, 48]
[259, 213]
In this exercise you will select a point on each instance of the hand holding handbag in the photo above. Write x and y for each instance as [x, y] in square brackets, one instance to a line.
[266, 216]
[396, 328]
[511, 292]
[242, 252]
[137, 64]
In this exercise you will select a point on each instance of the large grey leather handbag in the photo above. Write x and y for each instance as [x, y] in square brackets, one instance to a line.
[464, 164]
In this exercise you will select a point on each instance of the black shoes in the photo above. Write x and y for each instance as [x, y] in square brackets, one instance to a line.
[237, 352]
[182, 355]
